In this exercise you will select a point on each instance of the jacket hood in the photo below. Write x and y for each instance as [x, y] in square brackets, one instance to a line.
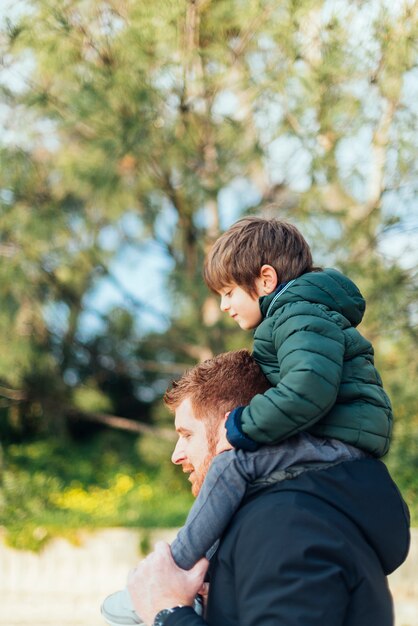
[327, 287]
[366, 494]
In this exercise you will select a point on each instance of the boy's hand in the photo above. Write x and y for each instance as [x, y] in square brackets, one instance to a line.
[223, 443]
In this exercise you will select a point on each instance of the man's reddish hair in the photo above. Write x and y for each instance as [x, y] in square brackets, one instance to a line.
[218, 385]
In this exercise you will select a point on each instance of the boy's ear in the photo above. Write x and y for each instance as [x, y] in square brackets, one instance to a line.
[268, 279]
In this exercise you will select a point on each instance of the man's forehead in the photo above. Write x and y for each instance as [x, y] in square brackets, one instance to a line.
[184, 417]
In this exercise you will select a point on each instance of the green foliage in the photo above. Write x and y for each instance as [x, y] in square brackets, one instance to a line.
[137, 127]
[126, 122]
[403, 465]
[91, 400]
[402, 460]
[49, 489]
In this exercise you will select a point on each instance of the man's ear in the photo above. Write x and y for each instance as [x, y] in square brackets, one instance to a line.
[223, 443]
[268, 279]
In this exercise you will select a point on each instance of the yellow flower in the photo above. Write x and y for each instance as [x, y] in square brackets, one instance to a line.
[145, 492]
[123, 483]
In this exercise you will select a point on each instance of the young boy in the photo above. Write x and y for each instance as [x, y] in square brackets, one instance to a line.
[305, 341]
[326, 403]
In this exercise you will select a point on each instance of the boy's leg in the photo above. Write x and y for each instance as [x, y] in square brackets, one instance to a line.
[220, 496]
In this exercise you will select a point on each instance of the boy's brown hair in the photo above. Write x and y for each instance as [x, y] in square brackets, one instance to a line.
[217, 386]
[238, 255]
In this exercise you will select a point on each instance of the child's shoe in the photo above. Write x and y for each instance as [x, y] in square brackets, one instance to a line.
[117, 609]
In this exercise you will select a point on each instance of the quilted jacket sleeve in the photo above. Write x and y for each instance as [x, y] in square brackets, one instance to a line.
[310, 350]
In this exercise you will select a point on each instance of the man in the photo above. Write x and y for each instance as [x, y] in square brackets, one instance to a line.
[311, 551]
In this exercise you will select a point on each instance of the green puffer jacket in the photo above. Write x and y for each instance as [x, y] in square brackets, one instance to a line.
[321, 367]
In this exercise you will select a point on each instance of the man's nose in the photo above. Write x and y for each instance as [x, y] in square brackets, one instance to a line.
[178, 455]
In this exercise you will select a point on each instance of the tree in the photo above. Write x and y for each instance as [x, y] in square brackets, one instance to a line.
[140, 123]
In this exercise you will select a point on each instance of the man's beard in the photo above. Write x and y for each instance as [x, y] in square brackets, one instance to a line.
[199, 474]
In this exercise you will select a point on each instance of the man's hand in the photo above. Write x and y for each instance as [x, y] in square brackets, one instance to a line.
[158, 583]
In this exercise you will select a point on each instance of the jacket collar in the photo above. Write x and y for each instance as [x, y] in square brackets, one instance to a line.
[267, 302]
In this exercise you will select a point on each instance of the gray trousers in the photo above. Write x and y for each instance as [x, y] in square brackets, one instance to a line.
[227, 480]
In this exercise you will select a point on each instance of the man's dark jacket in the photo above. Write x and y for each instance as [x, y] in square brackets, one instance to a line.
[311, 551]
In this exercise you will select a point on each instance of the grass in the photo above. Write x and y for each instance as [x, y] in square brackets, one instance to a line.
[51, 489]
[114, 479]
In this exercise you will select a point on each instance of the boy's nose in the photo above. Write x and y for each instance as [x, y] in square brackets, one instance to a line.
[224, 305]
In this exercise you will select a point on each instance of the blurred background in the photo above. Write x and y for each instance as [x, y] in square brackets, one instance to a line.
[132, 133]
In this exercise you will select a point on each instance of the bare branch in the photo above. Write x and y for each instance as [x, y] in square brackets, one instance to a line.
[18, 395]
[122, 423]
